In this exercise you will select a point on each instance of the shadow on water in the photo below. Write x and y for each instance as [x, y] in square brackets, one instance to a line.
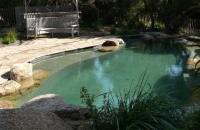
[174, 87]
[173, 83]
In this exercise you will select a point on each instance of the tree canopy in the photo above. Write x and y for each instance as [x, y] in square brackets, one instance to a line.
[172, 13]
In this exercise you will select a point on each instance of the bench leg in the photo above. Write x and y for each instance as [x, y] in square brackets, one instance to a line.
[72, 31]
[27, 33]
[35, 33]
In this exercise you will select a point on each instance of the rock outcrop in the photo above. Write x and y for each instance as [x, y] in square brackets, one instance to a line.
[192, 62]
[160, 35]
[185, 42]
[111, 45]
[54, 103]
[31, 119]
[75, 115]
[113, 42]
[121, 41]
[147, 37]
[12, 90]
[20, 72]
[9, 87]
[193, 38]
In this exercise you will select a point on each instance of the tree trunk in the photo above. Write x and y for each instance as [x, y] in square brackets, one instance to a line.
[152, 21]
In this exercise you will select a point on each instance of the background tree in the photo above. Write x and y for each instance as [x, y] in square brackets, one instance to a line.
[173, 13]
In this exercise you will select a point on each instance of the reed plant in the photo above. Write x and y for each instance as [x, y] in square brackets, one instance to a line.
[137, 109]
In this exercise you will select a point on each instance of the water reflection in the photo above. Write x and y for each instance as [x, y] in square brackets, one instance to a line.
[171, 83]
[166, 46]
[106, 83]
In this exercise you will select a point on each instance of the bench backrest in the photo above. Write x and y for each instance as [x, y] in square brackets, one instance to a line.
[51, 20]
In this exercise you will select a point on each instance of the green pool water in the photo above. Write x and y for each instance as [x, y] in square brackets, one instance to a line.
[114, 71]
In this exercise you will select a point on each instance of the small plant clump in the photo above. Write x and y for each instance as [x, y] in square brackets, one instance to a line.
[113, 30]
[97, 26]
[10, 36]
[137, 109]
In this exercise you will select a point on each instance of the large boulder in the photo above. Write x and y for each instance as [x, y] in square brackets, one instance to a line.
[34, 80]
[54, 103]
[75, 115]
[31, 119]
[111, 45]
[9, 87]
[121, 41]
[192, 62]
[113, 42]
[20, 72]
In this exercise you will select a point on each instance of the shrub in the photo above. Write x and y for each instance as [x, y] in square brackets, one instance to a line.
[126, 31]
[10, 36]
[6, 40]
[97, 25]
[137, 109]
[113, 30]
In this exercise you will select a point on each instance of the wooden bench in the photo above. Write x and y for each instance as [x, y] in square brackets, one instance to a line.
[52, 22]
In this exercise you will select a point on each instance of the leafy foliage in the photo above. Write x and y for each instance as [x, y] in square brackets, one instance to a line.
[97, 26]
[10, 36]
[172, 13]
[113, 30]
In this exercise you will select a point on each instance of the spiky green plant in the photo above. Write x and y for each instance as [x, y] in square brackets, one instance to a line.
[6, 40]
[12, 33]
[137, 109]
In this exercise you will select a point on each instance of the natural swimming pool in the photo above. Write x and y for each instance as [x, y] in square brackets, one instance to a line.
[101, 72]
